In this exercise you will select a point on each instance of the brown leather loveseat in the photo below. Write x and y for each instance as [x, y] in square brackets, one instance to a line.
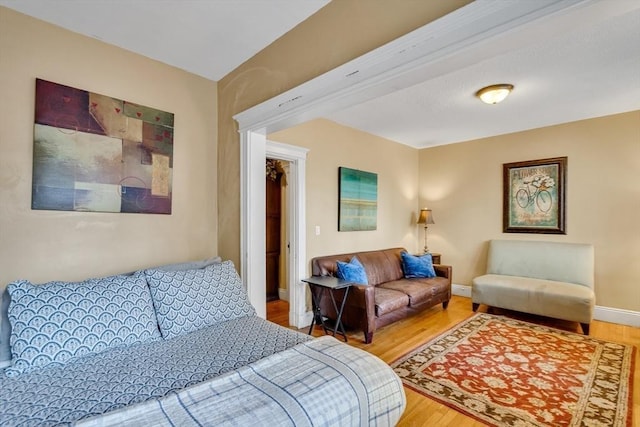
[389, 296]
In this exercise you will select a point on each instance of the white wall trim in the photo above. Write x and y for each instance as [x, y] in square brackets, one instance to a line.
[617, 315]
[296, 212]
[603, 314]
[461, 290]
[306, 319]
[290, 153]
[253, 211]
[254, 150]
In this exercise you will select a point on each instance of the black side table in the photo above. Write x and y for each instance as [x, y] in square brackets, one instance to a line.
[319, 286]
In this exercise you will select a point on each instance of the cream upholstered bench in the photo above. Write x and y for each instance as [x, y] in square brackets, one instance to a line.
[544, 278]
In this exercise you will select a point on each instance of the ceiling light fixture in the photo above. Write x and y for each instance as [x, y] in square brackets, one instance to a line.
[494, 93]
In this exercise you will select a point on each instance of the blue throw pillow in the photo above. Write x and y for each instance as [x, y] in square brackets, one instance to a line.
[54, 323]
[417, 266]
[353, 271]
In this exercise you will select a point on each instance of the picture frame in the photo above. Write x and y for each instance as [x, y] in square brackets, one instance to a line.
[534, 196]
[357, 200]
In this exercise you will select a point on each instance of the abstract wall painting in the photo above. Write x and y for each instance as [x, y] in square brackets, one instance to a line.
[358, 202]
[94, 153]
[534, 196]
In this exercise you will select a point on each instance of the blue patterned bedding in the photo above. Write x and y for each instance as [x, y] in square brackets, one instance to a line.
[178, 347]
[124, 376]
[322, 382]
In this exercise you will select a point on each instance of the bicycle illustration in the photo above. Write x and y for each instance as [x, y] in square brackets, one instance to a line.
[536, 190]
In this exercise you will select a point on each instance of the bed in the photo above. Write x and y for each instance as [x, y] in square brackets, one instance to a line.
[197, 369]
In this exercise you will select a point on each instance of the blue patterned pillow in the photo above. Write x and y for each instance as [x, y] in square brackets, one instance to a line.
[189, 265]
[352, 271]
[54, 323]
[188, 300]
[417, 266]
[5, 330]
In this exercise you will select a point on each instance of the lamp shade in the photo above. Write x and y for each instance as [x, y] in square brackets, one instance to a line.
[426, 216]
[494, 93]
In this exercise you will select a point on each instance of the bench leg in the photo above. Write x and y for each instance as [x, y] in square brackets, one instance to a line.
[585, 328]
[445, 304]
[474, 306]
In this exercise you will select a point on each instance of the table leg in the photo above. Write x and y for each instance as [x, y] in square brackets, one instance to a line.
[339, 316]
[317, 293]
[316, 308]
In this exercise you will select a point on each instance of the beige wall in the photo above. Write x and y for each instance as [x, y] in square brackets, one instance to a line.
[337, 33]
[332, 145]
[463, 184]
[48, 245]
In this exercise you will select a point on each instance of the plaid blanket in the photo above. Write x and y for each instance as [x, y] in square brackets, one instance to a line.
[317, 383]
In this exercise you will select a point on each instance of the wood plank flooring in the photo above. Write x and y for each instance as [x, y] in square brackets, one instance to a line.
[397, 339]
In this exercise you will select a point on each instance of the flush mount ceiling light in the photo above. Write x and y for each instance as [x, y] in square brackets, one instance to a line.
[494, 93]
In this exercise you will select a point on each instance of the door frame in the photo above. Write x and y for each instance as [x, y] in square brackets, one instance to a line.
[296, 227]
[255, 149]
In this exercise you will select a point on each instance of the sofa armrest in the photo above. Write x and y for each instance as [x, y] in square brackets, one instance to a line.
[360, 310]
[443, 271]
[362, 296]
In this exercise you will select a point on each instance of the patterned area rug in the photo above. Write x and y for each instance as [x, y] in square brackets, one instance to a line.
[506, 372]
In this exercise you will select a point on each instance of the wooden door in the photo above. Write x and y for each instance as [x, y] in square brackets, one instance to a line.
[273, 221]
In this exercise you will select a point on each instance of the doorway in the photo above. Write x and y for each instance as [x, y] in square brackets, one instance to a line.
[277, 244]
[254, 150]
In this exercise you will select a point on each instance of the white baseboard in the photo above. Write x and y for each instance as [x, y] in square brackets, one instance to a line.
[461, 290]
[304, 320]
[603, 314]
[283, 294]
[617, 315]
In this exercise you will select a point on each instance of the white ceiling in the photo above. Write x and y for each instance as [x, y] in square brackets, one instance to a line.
[561, 73]
[584, 63]
[209, 38]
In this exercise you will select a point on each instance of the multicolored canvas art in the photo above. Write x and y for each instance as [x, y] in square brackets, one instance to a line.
[95, 153]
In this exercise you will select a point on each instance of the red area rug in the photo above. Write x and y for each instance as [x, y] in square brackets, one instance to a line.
[506, 372]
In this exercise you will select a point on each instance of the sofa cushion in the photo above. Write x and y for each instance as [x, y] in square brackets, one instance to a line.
[537, 296]
[381, 266]
[352, 271]
[417, 266]
[188, 300]
[419, 290]
[559, 261]
[54, 323]
[389, 300]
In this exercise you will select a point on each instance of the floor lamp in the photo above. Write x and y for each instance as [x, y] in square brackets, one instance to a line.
[426, 218]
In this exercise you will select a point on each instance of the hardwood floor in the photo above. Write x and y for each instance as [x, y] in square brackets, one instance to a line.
[397, 339]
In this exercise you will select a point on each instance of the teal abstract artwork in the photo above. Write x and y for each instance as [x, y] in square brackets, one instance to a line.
[358, 203]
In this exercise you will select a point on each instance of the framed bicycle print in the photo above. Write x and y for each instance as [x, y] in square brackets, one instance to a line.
[534, 196]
